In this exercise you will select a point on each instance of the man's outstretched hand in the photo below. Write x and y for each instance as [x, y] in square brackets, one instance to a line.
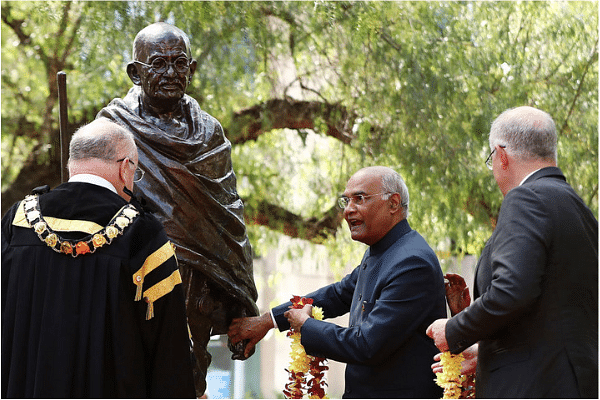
[251, 328]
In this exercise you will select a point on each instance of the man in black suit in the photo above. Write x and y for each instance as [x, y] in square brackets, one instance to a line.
[535, 316]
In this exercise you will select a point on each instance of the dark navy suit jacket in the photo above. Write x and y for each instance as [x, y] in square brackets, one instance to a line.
[392, 296]
[536, 288]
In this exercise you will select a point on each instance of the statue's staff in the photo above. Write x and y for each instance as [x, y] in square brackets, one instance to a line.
[61, 78]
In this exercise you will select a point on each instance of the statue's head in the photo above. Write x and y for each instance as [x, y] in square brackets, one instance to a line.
[162, 64]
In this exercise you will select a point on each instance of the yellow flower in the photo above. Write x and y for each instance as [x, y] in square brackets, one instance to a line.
[302, 366]
[317, 313]
[299, 359]
[450, 379]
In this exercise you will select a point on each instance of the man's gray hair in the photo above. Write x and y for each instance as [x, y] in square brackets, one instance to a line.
[528, 133]
[101, 139]
[392, 182]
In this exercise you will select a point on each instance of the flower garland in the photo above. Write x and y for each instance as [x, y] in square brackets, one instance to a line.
[455, 385]
[302, 364]
[317, 367]
[450, 378]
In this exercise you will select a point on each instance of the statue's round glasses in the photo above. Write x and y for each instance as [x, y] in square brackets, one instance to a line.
[160, 65]
[138, 174]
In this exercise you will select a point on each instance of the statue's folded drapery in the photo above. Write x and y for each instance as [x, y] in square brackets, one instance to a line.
[190, 186]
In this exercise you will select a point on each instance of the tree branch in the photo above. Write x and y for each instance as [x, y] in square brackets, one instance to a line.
[293, 225]
[15, 24]
[250, 123]
[35, 172]
[593, 56]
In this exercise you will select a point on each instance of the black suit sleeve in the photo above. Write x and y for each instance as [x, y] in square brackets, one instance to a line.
[517, 260]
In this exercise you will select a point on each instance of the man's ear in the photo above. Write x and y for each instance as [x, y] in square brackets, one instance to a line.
[123, 170]
[503, 157]
[395, 202]
[133, 73]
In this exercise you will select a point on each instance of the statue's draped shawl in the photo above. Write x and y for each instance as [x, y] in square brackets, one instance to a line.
[190, 186]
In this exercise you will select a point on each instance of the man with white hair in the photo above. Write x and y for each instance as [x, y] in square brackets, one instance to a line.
[92, 304]
[395, 292]
[535, 317]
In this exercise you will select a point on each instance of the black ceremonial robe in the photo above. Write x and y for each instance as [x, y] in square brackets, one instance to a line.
[190, 185]
[79, 326]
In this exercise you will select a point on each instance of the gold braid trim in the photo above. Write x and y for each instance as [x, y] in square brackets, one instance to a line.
[152, 262]
[159, 290]
[59, 224]
[20, 219]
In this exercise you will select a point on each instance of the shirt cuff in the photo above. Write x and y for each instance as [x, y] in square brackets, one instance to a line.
[273, 319]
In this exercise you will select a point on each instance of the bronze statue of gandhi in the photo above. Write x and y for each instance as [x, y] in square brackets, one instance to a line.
[190, 186]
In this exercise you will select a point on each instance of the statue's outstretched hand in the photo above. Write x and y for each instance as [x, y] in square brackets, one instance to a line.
[250, 329]
[457, 293]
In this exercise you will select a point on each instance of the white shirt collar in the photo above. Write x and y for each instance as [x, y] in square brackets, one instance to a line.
[94, 180]
[524, 179]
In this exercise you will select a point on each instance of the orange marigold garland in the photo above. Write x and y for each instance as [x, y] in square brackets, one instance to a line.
[303, 366]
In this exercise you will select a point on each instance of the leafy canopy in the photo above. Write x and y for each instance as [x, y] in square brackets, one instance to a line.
[411, 85]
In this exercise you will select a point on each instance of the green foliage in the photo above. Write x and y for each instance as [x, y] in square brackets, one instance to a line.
[425, 80]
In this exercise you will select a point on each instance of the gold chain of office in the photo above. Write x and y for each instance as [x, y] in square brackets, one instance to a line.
[88, 244]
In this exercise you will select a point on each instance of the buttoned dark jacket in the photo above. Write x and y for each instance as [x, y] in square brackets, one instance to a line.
[392, 296]
[536, 288]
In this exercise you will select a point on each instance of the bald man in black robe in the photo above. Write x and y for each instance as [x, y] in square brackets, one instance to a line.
[92, 303]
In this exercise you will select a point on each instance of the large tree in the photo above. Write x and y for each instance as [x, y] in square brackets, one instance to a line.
[309, 92]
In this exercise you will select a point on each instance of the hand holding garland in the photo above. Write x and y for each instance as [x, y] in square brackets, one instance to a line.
[297, 316]
[454, 373]
[303, 366]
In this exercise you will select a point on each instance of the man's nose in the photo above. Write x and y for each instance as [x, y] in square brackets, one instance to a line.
[350, 208]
